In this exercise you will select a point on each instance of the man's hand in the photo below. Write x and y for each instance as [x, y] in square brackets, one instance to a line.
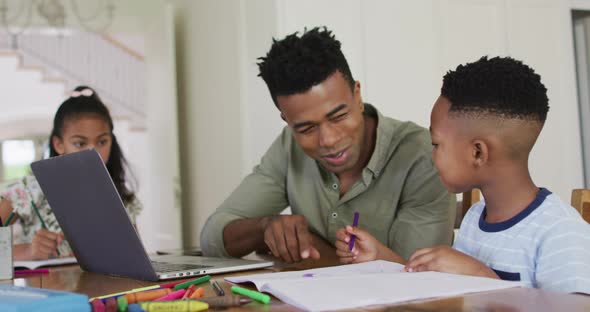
[288, 238]
[44, 244]
[449, 260]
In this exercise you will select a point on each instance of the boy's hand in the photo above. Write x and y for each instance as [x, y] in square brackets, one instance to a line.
[449, 260]
[288, 238]
[366, 247]
[44, 244]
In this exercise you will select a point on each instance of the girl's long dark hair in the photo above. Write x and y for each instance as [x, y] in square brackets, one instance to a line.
[74, 107]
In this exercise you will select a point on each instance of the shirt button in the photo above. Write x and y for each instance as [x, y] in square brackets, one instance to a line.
[334, 215]
[335, 186]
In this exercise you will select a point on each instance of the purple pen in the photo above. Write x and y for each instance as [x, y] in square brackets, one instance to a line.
[355, 222]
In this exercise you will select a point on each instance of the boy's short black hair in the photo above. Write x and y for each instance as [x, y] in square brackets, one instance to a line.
[501, 86]
[295, 64]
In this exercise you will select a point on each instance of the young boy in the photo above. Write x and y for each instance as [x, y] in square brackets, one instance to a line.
[483, 127]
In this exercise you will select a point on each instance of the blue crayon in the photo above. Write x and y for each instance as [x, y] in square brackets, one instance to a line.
[134, 307]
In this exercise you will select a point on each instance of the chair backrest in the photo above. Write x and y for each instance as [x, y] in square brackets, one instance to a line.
[469, 199]
[581, 201]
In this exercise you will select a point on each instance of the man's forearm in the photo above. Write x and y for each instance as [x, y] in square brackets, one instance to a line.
[243, 236]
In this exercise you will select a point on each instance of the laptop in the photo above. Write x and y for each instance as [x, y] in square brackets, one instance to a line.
[92, 217]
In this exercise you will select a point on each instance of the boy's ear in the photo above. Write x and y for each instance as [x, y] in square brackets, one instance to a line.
[283, 117]
[58, 145]
[480, 152]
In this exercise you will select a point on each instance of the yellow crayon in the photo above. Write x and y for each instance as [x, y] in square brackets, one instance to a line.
[174, 306]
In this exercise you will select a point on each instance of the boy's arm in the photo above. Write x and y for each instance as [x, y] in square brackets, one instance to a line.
[365, 247]
[448, 260]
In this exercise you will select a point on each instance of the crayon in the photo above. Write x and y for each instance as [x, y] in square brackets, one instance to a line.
[198, 293]
[197, 281]
[258, 296]
[127, 292]
[189, 292]
[172, 296]
[122, 304]
[110, 305]
[170, 285]
[134, 307]
[97, 305]
[147, 295]
[355, 222]
[177, 306]
[225, 301]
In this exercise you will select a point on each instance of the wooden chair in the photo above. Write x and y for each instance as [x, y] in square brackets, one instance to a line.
[469, 199]
[581, 201]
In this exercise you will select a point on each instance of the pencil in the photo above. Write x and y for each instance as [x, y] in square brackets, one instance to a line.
[42, 222]
[10, 217]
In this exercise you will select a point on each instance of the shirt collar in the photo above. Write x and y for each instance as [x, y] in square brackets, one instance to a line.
[383, 136]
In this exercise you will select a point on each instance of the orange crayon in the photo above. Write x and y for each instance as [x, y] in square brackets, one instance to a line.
[198, 293]
[147, 295]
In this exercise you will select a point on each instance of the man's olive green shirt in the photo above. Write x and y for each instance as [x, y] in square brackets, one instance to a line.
[400, 198]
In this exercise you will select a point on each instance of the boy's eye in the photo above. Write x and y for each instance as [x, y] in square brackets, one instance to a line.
[79, 144]
[103, 142]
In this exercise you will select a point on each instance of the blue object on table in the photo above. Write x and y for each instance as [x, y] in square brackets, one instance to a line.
[29, 299]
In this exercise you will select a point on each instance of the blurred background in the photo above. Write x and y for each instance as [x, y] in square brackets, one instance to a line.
[193, 118]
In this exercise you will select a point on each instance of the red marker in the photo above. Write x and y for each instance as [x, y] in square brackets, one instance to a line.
[37, 271]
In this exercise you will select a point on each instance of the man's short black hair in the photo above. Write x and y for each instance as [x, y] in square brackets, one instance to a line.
[297, 63]
[501, 86]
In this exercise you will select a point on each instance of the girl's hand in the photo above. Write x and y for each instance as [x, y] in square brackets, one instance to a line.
[44, 244]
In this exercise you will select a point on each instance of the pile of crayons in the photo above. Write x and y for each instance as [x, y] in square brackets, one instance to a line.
[180, 296]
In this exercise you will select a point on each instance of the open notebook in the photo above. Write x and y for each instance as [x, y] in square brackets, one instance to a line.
[364, 284]
[33, 264]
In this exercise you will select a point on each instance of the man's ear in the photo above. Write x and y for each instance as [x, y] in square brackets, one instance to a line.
[357, 95]
[480, 152]
[283, 117]
[58, 145]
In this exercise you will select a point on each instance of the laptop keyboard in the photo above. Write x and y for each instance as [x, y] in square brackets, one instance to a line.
[171, 267]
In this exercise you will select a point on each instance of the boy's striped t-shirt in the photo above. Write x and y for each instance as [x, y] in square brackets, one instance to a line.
[547, 245]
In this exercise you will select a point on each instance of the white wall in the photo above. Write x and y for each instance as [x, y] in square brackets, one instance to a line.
[209, 77]
[399, 50]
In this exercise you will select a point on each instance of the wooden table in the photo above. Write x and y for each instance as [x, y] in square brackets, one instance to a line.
[72, 278]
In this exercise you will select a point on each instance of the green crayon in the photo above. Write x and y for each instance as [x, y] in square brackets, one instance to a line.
[122, 304]
[258, 296]
[199, 280]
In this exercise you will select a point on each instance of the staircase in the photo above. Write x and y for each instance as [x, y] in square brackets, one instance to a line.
[81, 58]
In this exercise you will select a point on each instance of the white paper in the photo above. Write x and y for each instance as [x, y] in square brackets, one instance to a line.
[34, 264]
[364, 284]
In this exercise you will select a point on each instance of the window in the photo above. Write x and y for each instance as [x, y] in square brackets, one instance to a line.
[17, 156]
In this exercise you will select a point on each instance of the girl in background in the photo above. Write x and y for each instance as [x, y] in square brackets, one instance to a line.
[81, 122]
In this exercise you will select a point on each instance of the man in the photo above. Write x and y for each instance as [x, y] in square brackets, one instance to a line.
[337, 156]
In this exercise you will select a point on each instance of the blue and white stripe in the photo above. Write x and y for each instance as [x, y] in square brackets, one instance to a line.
[547, 245]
